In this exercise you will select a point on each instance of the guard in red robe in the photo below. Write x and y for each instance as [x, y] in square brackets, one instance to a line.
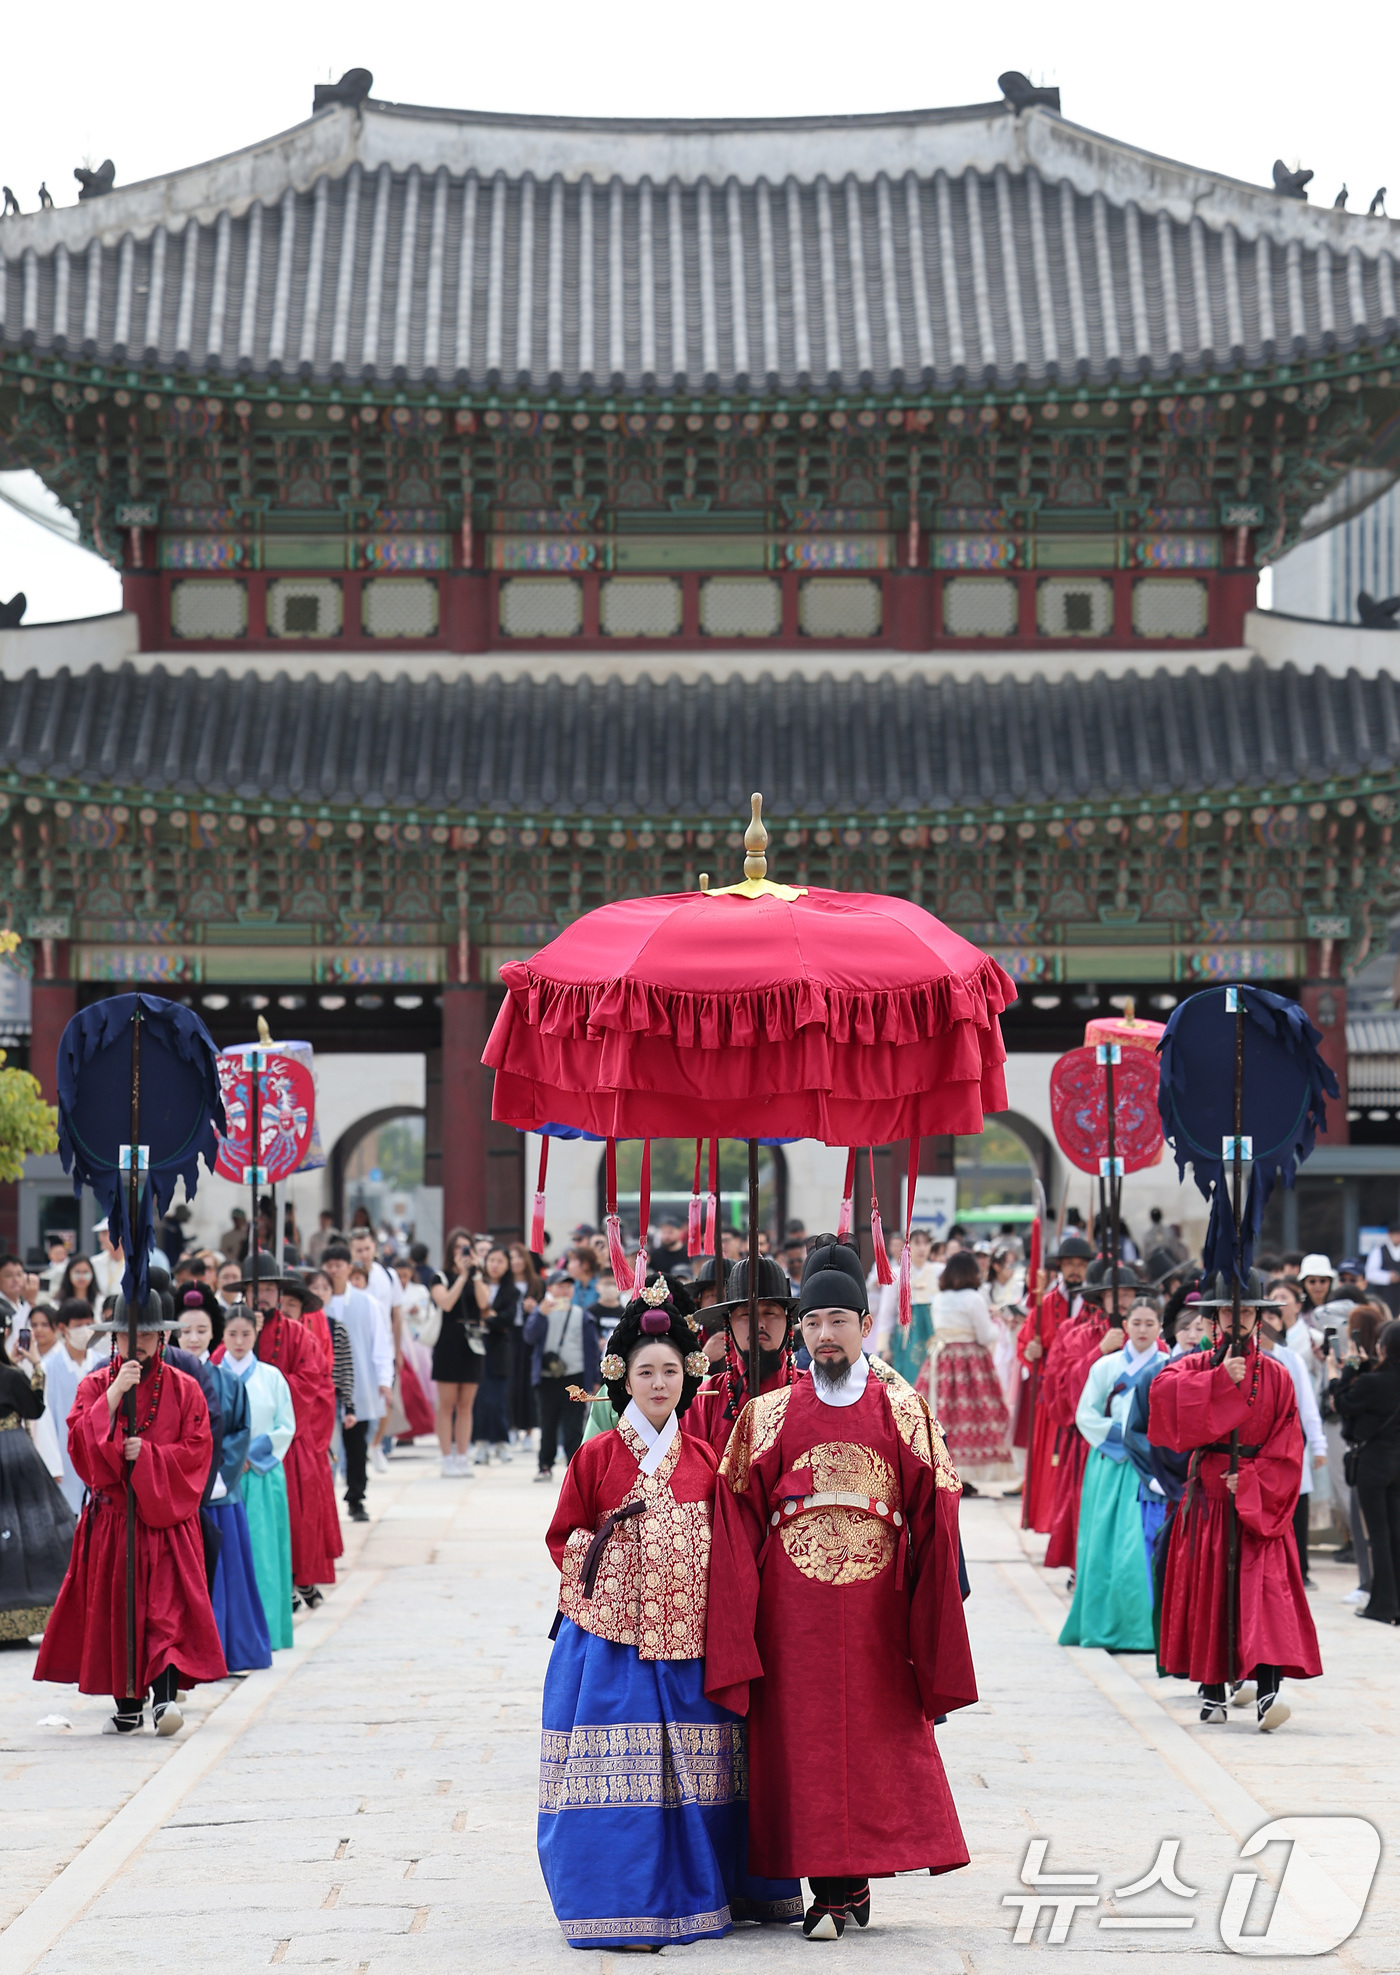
[835, 1618]
[165, 1465]
[716, 1407]
[288, 1344]
[1059, 1304]
[1077, 1344]
[1196, 1404]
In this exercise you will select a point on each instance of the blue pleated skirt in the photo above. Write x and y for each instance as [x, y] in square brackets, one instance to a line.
[643, 1825]
[238, 1608]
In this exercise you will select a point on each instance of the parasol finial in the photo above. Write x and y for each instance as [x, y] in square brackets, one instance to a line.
[756, 843]
[264, 1032]
[755, 883]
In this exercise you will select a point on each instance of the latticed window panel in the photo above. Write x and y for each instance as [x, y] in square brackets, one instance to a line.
[640, 607]
[541, 607]
[304, 607]
[741, 607]
[1170, 607]
[979, 607]
[399, 607]
[1074, 607]
[840, 607]
[209, 609]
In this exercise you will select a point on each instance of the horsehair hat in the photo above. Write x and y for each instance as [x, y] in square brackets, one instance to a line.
[833, 1279]
[1255, 1293]
[1074, 1245]
[774, 1286]
[154, 1316]
[704, 1277]
[265, 1269]
[1102, 1284]
[651, 1318]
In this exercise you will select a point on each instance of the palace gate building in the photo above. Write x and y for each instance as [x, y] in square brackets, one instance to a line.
[500, 499]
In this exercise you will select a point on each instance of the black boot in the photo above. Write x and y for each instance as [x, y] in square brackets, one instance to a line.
[825, 1918]
[858, 1901]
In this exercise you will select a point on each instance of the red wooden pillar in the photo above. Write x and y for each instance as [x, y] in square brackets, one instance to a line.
[466, 1106]
[54, 1002]
[1325, 1005]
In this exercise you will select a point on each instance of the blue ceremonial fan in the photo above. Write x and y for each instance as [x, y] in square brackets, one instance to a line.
[167, 1081]
[1283, 1085]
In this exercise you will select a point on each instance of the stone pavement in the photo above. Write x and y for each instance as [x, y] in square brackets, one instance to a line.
[368, 1806]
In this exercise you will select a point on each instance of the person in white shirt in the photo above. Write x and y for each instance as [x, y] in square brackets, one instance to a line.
[1383, 1268]
[372, 1354]
[73, 1356]
[1273, 1340]
[108, 1263]
[383, 1288]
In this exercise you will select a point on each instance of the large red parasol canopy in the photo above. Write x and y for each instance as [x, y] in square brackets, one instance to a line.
[759, 1012]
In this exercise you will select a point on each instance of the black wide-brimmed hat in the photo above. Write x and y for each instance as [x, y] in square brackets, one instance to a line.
[268, 1271]
[1128, 1278]
[774, 1286]
[1219, 1293]
[153, 1318]
[833, 1279]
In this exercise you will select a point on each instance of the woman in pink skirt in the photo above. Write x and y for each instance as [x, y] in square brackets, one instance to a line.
[964, 1392]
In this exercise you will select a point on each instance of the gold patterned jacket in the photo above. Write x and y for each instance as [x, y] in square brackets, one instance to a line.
[652, 1568]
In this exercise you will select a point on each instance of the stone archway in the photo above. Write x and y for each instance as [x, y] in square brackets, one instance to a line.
[353, 1136]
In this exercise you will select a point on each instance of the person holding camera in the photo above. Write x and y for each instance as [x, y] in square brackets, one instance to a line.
[458, 1353]
[561, 1335]
[1367, 1396]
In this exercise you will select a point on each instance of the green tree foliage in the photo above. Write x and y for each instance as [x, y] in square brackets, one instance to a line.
[27, 1124]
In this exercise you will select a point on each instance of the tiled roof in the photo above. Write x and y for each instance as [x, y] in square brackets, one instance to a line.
[905, 251]
[815, 746]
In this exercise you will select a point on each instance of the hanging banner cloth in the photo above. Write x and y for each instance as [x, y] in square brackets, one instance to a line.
[181, 1111]
[757, 1012]
[1079, 1109]
[1284, 1083]
[286, 1113]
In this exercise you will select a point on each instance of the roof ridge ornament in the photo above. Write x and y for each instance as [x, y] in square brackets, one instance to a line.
[1290, 184]
[757, 883]
[352, 89]
[1023, 94]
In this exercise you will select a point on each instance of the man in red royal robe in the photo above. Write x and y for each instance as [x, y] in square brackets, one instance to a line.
[1097, 1332]
[835, 1617]
[1196, 1404]
[288, 1344]
[1058, 1304]
[165, 1465]
[716, 1407]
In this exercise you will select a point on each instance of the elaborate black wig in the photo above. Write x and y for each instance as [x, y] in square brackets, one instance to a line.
[653, 1317]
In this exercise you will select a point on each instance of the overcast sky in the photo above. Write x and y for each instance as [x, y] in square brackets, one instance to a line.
[1226, 87]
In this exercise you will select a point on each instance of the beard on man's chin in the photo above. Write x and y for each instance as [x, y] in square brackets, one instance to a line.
[831, 1372]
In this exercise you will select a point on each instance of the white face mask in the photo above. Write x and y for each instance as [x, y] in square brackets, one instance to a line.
[80, 1335]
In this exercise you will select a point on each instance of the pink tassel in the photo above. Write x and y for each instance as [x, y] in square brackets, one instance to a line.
[617, 1256]
[884, 1274]
[906, 1299]
[848, 1194]
[694, 1225]
[537, 1214]
[712, 1203]
[639, 1279]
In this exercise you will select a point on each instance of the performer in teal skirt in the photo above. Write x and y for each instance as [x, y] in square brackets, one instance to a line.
[271, 1425]
[643, 1810]
[1112, 1571]
[907, 1350]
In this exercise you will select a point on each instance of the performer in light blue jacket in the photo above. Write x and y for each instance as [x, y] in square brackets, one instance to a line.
[1112, 1578]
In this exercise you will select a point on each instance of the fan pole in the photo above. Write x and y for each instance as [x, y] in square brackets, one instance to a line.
[133, 1197]
[1232, 999]
[754, 1355]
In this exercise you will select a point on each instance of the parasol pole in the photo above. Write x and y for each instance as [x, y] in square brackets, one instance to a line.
[133, 1197]
[1033, 1299]
[254, 1172]
[1235, 1147]
[1111, 1169]
[754, 1354]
